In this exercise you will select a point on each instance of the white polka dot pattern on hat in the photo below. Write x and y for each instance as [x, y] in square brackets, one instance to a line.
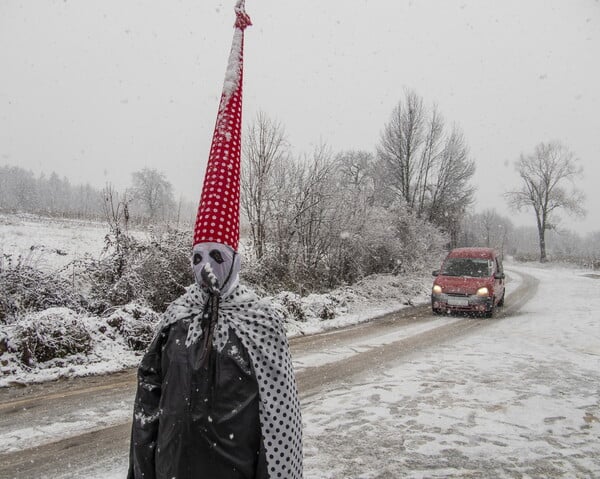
[218, 218]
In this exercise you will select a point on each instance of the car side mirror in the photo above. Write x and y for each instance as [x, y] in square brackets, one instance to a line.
[499, 275]
[436, 272]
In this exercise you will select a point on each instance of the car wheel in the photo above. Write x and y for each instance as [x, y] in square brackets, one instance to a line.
[490, 313]
[501, 302]
[435, 311]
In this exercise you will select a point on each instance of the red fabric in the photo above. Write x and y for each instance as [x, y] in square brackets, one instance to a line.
[218, 218]
[242, 20]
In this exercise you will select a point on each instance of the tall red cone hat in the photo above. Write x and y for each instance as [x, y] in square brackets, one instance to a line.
[218, 218]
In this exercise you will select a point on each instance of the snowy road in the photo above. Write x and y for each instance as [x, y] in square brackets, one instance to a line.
[377, 373]
[519, 399]
[45, 427]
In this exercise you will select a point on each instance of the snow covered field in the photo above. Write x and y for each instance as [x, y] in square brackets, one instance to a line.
[50, 243]
[517, 399]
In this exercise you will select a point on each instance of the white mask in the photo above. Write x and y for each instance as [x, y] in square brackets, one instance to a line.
[220, 260]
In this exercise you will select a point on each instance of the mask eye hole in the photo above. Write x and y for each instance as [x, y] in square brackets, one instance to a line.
[197, 258]
[216, 255]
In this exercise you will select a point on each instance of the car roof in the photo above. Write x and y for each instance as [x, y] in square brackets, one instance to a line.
[488, 253]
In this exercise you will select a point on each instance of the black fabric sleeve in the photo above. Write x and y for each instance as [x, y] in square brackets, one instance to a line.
[144, 430]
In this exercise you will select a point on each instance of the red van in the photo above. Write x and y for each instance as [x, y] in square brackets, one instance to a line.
[471, 280]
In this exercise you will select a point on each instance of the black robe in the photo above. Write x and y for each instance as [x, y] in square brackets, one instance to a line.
[202, 419]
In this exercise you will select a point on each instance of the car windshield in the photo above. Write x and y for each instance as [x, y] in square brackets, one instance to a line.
[476, 268]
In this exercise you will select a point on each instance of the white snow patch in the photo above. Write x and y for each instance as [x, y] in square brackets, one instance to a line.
[334, 354]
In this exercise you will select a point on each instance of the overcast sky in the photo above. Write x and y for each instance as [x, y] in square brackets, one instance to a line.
[96, 90]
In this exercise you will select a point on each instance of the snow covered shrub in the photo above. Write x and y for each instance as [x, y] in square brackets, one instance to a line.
[266, 274]
[384, 240]
[422, 243]
[156, 271]
[165, 268]
[392, 240]
[312, 307]
[322, 306]
[4, 343]
[23, 288]
[136, 324]
[112, 277]
[291, 305]
[53, 333]
[7, 356]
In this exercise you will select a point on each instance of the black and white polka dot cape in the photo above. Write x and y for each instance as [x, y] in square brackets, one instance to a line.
[260, 329]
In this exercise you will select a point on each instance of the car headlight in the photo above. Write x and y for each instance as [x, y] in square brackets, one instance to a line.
[483, 292]
[437, 289]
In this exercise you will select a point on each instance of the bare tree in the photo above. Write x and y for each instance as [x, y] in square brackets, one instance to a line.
[545, 174]
[266, 147]
[302, 206]
[303, 220]
[425, 166]
[356, 170]
[487, 228]
[451, 192]
[356, 183]
[430, 156]
[489, 224]
[154, 193]
[401, 139]
[314, 209]
[113, 213]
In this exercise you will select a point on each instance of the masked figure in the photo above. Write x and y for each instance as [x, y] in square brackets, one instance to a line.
[216, 393]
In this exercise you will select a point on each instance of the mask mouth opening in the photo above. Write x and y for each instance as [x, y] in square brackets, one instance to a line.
[209, 281]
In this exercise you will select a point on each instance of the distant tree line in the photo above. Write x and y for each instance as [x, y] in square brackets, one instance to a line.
[22, 191]
[489, 228]
[149, 200]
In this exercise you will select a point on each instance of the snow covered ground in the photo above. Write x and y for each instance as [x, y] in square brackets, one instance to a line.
[50, 243]
[517, 399]
[520, 399]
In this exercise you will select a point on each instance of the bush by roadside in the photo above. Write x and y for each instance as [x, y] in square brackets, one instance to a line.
[99, 314]
[63, 342]
[60, 342]
[25, 288]
[54, 321]
[155, 272]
